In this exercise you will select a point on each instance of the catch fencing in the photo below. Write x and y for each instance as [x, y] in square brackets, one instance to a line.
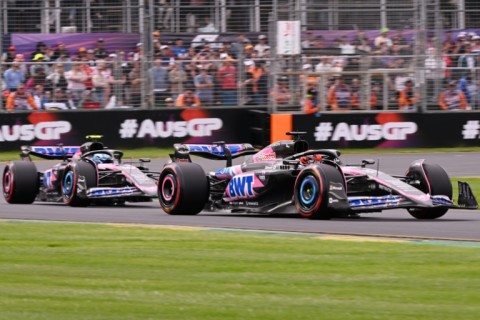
[335, 38]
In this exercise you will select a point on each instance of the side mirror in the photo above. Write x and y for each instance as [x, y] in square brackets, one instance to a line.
[367, 162]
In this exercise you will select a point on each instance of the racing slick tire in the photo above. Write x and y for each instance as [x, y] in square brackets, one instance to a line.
[311, 191]
[435, 181]
[183, 188]
[20, 182]
[70, 192]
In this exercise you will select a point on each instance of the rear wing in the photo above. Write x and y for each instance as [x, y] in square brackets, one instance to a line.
[215, 151]
[49, 152]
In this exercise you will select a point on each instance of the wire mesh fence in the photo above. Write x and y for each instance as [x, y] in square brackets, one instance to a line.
[354, 55]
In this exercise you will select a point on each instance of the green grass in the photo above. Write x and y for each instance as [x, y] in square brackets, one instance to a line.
[473, 182]
[85, 271]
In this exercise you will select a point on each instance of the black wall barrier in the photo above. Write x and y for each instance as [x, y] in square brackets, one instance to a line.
[390, 130]
[162, 128]
[126, 128]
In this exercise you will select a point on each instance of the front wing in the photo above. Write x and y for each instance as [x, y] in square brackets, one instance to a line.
[466, 200]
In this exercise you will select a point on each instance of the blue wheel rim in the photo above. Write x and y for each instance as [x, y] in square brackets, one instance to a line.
[308, 190]
[68, 183]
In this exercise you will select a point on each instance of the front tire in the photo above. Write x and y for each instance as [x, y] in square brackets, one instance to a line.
[311, 191]
[20, 182]
[435, 181]
[70, 185]
[183, 189]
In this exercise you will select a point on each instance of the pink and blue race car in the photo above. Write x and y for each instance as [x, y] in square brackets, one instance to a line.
[87, 174]
[286, 176]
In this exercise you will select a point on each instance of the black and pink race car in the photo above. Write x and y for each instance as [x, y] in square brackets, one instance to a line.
[286, 176]
[86, 174]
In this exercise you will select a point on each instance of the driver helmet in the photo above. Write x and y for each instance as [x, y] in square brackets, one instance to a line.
[102, 158]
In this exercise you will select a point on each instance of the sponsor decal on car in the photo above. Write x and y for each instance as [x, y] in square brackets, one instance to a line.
[109, 192]
[56, 151]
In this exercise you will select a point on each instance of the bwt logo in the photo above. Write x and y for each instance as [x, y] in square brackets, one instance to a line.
[216, 150]
[43, 131]
[163, 129]
[370, 132]
[56, 151]
[241, 186]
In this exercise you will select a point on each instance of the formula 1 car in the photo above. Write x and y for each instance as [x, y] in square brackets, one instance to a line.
[286, 176]
[87, 174]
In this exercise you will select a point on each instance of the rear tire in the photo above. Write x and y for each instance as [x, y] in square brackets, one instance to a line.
[311, 191]
[183, 189]
[20, 182]
[70, 190]
[436, 182]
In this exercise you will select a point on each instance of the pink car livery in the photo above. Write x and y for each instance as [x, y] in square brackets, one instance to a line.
[287, 177]
[86, 174]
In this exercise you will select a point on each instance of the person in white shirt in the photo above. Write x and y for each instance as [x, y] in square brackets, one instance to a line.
[76, 79]
[383, 38]
[262, 45]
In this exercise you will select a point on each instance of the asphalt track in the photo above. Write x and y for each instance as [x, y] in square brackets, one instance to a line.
[462, 225]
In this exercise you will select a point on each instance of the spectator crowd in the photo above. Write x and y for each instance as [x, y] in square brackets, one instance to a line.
[239, 72]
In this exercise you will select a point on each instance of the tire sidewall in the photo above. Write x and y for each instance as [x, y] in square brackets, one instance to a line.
[310, 176]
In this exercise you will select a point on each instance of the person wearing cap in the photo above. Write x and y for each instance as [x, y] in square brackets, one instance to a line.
[383, 39]
[408, 97]
[452, 98]
[280, 94]
[310, 104]
[169, 102]
[20, 99]
[10, 55]
[13, 77]
[262, 45]
[339, 95]
[39, 48]
[248, 51]
[253, 74]
[100, 51]
[138, 55]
